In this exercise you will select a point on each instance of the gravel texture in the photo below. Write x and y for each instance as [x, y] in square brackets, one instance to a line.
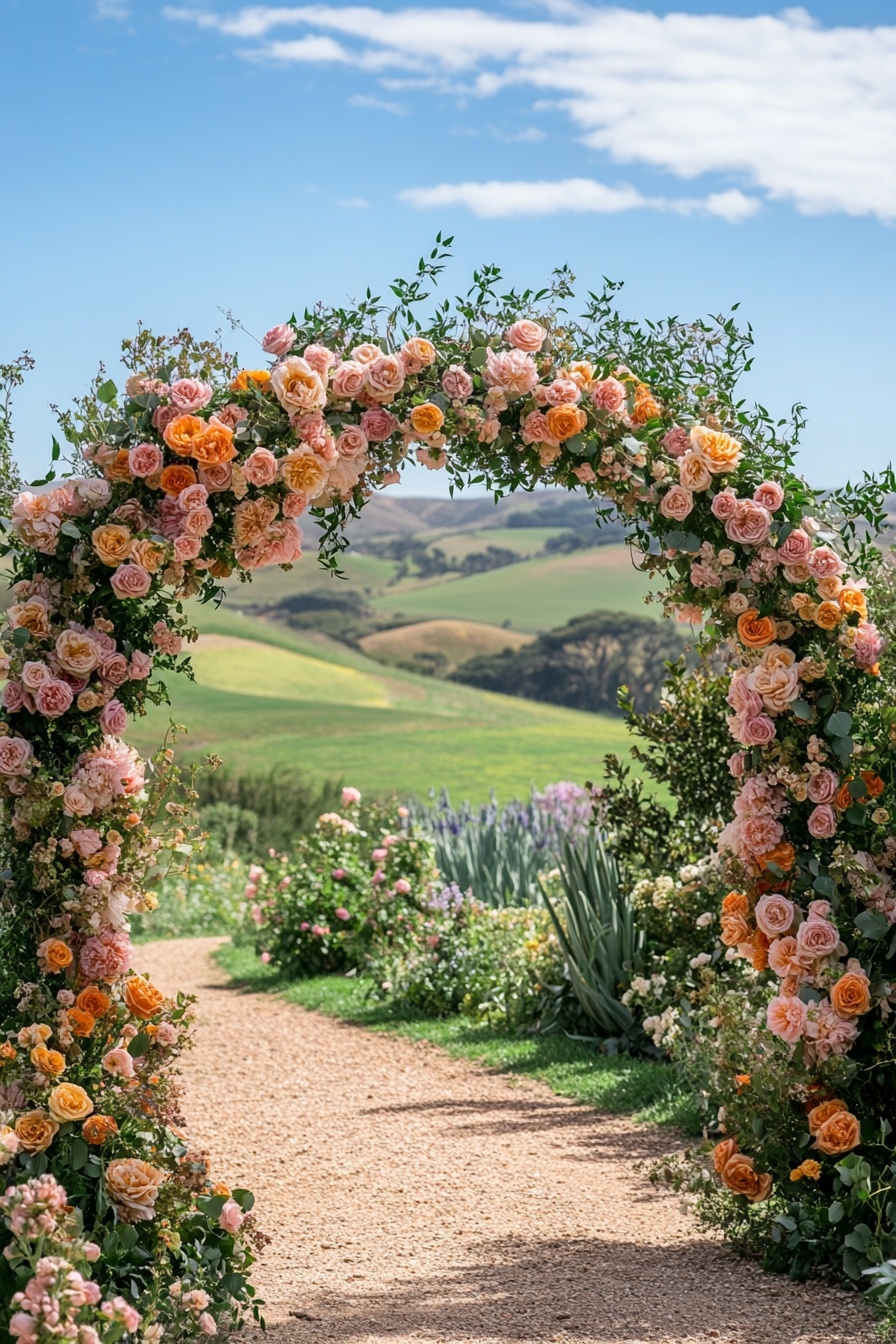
[410, 1196]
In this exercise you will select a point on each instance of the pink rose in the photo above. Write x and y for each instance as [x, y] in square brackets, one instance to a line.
[130, 581]
[770, 495]
[786, 1018]
[114, 718]
[585, 473]
[775, 914]
[197, 522]
[34, 675]
[106, 956]
[378, 424]
[384, 377]
[119, 1062]
[352, 442]
[114, 669]
[609, 395]
[260, 467]
[724, 504]
[823, 786]
[86, 841]
[342, 913]
[825, 563]
[207, 1324]
[320, 358]
[562, 392]
[402, 886]
[231, 1216]
[822, 822]
[216, 478]
[193, 497]
[534, 429]
[279, 340]
[676, 441]
[348, 381]
[145, 459]
[817, 938]
[750, 523]
[457, 383]
[511, 372]
[162, 417]
[869, 644]
[350, 796]
[14, 696]
[229, 416]
[742, 696]
[736, 765]
[187, 548]
[525, 335]
[53, 698]
[140, 665]
[294, 505]
[784, 958]
[189, 395]
[796, 549]
[676, 503]
[754, 730]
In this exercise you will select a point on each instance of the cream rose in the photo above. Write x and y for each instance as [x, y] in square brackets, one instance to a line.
[297, 386]
[133, 1186]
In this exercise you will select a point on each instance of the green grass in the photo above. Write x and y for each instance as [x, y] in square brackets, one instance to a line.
[521, 540]
[533, 595]
[266, 696]
[642, 1088]
[364, 574]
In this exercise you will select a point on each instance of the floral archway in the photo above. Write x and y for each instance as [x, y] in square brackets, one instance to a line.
[199, 469]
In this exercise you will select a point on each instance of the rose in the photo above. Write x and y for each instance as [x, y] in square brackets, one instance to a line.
[718, 450]
[565, 421]
[35, 1131]
[142, 997]
[838, 1134]
[722, 1152]
[384, 377]
[827, 615]
[693, 473]
[187, 548]
[198, 522]
[585, 473]
[297, 386]
[304, 472]
[525, 335]
[98, 1128]
[68, 1102]
[511, 372]
[775, 914]
[114, 718]
[646, 406]
[214, 446]
[675, 441]
[755, 631]
[94, 491]
[192, 497]
[822, 822]
[54, 955]
[131, 581]
[609, 395]
[457, 383]
[419, 352]
[562, 391]
[207, 1324]
[770, 495]
[53, 698]
[133, 1186]
[216, 478]
[182, 433]
[15, 756]
[111, 543]
[823, 786]
[786, 1017]
[177, 478]
[852, 599]
[427, 419]
[279, 340]
[231, 1217]
[534, 429]
[851, 994]
[80, 1023]
[825, 563]
[320, 358]
[94, 1000]
[817, 938]
[783, 956]
[15, 696]
[189, 394]
[378, 424]
[796, 548]
[348, 381]
[119, 1062]
[724, 504]
[352, 442]
[749, 525]
[260, 467]
[149, 554]
[51, 1063]
[145, 459]
[740, 1176]
[735, 929]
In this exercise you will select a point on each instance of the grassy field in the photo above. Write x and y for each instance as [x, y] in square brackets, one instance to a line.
[265, 696]
[455, 640]
[570, 1068]
[521, 540]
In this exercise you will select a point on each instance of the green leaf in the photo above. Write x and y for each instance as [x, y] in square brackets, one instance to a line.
[479, 356]
[244, 1198]
[21, 636]
[839, 724]
[79, 1154]
[835, 1212]
[107, 392]
[70, 529]
[825, 886]
[139, 1045]
[856, 816]
[872, 924]
[802, 709]
[842, 748]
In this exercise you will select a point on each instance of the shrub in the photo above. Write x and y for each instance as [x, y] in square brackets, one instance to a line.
[274, 807]
[208, 898]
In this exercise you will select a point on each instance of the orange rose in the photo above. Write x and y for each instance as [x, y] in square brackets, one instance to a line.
[740, 1176]
[150, 554]
[68, 1101]
[851, 995]
[743, 1080]
[828, 615]
[565, 421]
[94, 1001]
[735, 930]
[48, 1062]
[119, 469]
[852, 599]
[176, 478]
[215, 446]
[646, 408]
[722, 1152]
[873, 783]
[755, 631]
[839, 1133]
[783, 856]
[261, 378]
[759, 952]
[36, 1131]
[843, 798]
[98, 1128]
[822, 1112]
[735, 903]
[81, 1023]
[112, 543]
[56, 955]
[810, 1169]
[143, 999]
[427, 419]
[182, 433]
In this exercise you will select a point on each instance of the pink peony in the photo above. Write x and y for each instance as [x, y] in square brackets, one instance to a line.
[609, 395]
[786, 1018]
[53, 698]
[749, 524]
[818, 938]
[822, 822]
[526, 335]
[130, 581]
[189, 395]
[823, 786]
[770, 495]
[676, 441]
[114, 718]
[796, 549]
[676, 503]
[378, 424]
[279, 340]
[457, 383]
[106, 956]
[352, 442]
[775, 914]
[825, 563]
[145, 459]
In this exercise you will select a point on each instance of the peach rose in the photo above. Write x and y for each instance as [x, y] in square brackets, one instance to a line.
[297, 386]
[840, 1133]
[823, 1111]
[755, 631]
[565, 421]
[770, 495]
[828, 615]
[384, 377]
[749, 525]
[94, 1001]
[775, 914]
[32, 615]
[176, 478]
[366, 352]
[718, 450]
[133, 1186]
[851, 995]
[182, 433]
[735, 930]
[352, 442]
[378, 423]
[677, 503]
[693, 472]
[526, 335]
[111, 543]
[142, 997]
[81, 1023]
[279, 340]
[68, 1101]
[795, 549]
[723, 1152]
[736, 903]
[609, 395]
[303, 472]
[215, 446]
[96, 1129]
[817, 938]
[320, 358]
[786, 1017]
[260, 467]
[148, 554]
[256, 378]
[54, 955]
[740, 1176]
[48, 1062]
[15, 756]
[36, 1131]
[852, 599]
[348, 381]
[419, 352]
[457, 383]
[427, 419]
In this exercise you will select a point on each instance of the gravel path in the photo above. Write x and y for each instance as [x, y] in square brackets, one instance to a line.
[410, 1196]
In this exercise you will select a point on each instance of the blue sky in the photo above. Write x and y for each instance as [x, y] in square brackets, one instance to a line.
[171, 160]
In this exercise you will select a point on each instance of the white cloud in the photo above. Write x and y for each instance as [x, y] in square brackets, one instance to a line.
[378, 104]
[577, 195]
[804, 113]
[111, 9]
[353, 203]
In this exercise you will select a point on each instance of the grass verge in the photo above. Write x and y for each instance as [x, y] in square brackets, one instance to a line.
[646, 1090]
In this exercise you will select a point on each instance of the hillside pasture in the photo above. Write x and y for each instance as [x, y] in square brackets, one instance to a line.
[457, 641]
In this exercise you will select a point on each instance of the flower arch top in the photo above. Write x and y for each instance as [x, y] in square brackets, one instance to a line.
[200, 470]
